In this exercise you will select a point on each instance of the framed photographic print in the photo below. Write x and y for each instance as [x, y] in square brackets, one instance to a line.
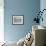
[18, 19]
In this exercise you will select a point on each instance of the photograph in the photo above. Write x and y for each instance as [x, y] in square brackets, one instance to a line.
[18, 20]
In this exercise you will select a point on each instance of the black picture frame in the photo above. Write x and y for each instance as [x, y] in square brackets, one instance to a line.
[18, 19]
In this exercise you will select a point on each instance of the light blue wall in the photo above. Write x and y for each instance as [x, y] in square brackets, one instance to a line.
[43, 6]
[19, 7]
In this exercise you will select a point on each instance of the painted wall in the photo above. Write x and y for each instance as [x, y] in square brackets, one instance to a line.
[43, 6]
[1, 20]
[28, 8]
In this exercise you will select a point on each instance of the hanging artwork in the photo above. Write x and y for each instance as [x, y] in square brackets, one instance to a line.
[18, 19]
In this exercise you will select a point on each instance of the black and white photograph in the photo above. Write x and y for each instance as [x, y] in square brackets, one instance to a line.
[18, 20]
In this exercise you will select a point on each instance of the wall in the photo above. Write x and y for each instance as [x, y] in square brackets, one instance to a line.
[19, 7]
[1, 20]
[43, 6]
